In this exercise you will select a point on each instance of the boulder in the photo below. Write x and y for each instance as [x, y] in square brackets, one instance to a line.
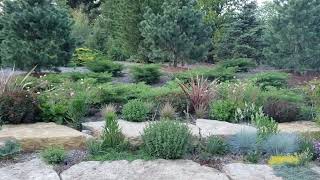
[41, 135]
[240, 171]
[141, 170]
[219, 128]
[133, 130]
[299, 127]
[31, 170]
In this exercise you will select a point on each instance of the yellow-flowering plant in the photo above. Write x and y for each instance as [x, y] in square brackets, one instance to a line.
[291, 160]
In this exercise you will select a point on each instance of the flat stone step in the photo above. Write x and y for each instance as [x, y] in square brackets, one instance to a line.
[133, 130]
[41, 135]
[142, 170]
[299, 127]
[240, 171]
[31, 170]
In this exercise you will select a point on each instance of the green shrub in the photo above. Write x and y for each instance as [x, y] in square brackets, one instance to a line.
[166, 139]
[149, 74]
[104, 65]
[244, 142]
[222, 110]
[57, 104]
[94, 147]
[218, 72]
[98, 77]
[18, 106]
[246, 113]
[136, 111]
[111, 136]
[53, 155]
[266, 126]
[281, 144]
[253, 157]
[10, 148]
[216, 146]
[273, 79]
[81, 56]
[76, 110]
[242, 64]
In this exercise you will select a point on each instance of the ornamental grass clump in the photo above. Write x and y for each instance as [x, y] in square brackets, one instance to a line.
[166, 139]
[111, 136]
[244, 142]
[199, 92]
[281, 143]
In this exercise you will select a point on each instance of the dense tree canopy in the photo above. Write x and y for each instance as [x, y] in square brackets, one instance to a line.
[35, 32]
[177, 34]
[293, 35]
[242, 36]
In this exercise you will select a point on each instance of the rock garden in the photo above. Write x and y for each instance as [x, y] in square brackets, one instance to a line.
[159, 89]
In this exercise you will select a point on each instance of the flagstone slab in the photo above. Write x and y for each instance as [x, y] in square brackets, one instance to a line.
[41, 135]
[31, 170]
[240, 171]
[142, 170]
[133, 130]
[299, 127]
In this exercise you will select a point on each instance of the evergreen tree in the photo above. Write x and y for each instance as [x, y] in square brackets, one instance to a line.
[122, 18]
[35, 32]
[177, 34]
[293, 35]
[243, 35]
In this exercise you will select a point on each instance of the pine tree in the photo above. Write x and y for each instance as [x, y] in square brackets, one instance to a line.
[176, 34]
[35, 32]
[243, 35]
[293, 35]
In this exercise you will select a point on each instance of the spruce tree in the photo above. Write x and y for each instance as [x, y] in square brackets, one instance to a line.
[35, 32]
[293, 35]
[177, 34]
[243, 35]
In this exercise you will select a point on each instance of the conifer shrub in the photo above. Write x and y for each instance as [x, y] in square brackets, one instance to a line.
[149, 73]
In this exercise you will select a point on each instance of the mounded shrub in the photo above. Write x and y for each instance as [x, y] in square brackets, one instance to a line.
[53, 155]
[148, 73]
[281, 110]
[222, 110]
[166, 139]
[98, 77]
[273, 79]
[105, 65]
[216, 73]
[81, 56]
[18, 106]
[242, 64]
[136, 111]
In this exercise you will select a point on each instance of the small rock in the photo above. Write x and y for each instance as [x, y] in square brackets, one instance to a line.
[142, 170]
[240, 171]
[30, 170]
